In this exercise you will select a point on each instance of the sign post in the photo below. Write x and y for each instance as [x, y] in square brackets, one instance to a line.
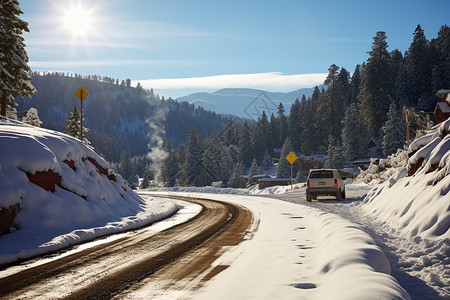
[407, 129]
[82, 94]
[291, 157]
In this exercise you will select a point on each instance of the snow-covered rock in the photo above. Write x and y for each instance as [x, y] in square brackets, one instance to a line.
[83, 195]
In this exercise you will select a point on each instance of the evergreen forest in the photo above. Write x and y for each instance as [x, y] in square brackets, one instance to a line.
[338, 120]
[201, 147]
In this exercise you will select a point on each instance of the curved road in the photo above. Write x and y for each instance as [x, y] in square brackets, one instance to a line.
[177, 258]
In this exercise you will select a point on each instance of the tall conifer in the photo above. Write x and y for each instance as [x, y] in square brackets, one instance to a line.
[15, 78]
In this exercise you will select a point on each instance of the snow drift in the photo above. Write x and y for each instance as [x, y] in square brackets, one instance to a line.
[73, 189]
[414, 204]
[416, 199]
[350, 264]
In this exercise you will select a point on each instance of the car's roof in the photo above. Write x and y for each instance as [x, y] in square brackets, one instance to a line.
[315, 170]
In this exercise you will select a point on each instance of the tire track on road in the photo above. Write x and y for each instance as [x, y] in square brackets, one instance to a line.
[106, 270]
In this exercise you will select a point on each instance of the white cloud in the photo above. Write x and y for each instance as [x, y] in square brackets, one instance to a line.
[101, 63]
[269, 81]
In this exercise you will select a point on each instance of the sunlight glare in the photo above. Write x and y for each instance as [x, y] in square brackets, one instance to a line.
[78, 20]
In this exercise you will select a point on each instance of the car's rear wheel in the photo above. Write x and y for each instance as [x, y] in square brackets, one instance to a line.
[343, 194]
[339, 196]
[308, 197]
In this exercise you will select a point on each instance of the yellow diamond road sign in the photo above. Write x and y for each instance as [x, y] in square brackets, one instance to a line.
[291, 157]
[81, 93]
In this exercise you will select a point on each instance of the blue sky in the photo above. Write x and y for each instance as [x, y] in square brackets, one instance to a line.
[177, 47]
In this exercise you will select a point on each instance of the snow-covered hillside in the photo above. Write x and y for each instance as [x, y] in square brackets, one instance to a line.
[118, 117]
[63, 192]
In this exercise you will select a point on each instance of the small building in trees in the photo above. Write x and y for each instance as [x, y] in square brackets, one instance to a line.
[256, 178]
[276, 152]
[442, 109]
[269, 182]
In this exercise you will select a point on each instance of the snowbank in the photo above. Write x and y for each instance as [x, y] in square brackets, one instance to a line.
[419, 204]
[88, 202]
[252, 190]
[201, 190]
[414, 204]
[350, 264]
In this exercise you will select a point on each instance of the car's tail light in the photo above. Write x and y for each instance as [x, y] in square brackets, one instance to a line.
[307, 183]
[335, 182]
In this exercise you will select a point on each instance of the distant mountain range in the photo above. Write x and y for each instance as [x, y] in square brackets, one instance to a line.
[245, 103]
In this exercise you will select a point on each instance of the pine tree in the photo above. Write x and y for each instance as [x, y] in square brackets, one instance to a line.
[225, 162]
[237, 179]
[230, 135]
[401, 87]
[148, 172]
[310, 135]
[353, 137]
[216, 161]
[145, 183]
[169, 168]
[210, 162]
[253, 171]
[72, 125]
[300, 177]
[393, 130]
[267, 161]
[295, 130]
[376, 88]
[397, 63]
[355, 82]
[273, 131]
[321, 118]
[345, 90]
[282, 126]
[32, 117]
[331, 104]
[125, 166]
[194, 163]
[182, 165]
[245, 146]
[330, 153]
[261, 140]
[335, 159]
[419, 71]
[15, 76]
[441, 71]
[284, 166]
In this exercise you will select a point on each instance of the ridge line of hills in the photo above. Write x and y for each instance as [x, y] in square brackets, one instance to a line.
[125, 121]
[236, 101]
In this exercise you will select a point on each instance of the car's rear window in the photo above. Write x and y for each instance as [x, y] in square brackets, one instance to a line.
[321, 174]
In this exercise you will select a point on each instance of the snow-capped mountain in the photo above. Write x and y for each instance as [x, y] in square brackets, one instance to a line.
[242, 102]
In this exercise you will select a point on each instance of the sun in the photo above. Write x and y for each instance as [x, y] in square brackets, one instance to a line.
[78, 20]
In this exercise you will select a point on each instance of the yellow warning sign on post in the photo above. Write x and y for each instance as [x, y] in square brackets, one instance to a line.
[291, 157]
[81, 93]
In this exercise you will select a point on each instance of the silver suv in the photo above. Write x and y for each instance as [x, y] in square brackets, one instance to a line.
[325, 182]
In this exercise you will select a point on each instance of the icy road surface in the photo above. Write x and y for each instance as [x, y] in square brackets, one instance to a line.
[297, 252]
